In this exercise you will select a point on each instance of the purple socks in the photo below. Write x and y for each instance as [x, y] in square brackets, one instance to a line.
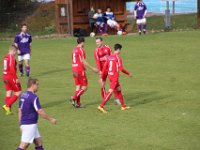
[21, 68]
[39, 148]
[27, 71]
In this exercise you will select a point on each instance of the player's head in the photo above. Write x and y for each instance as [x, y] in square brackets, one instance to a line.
[99, 41]
[117, 48]
[24, 28]
[33, 84]
[99, 10]
[13, 49]
[92, 8]
[108, 9]
[81, 41]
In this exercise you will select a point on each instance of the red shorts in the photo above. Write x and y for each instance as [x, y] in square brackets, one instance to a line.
[80, 79]
[114, 84]
[11, 84]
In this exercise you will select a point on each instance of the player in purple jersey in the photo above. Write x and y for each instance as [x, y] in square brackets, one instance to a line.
[140, 12]
[29, 109]
[23, 42]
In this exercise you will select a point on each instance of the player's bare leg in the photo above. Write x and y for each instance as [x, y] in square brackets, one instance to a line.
[20, 65]
[38, 144]
[27, 64]
[23, 146]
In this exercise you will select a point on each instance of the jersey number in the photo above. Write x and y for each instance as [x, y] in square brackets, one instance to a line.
[110, 65]
[74, 58]
[22, 103]
[5, 64]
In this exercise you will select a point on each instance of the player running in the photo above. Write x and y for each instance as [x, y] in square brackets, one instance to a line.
[78, 68]
[100, 54]
[10, 79]
[140, 12]
[112, 67]
[23, 42]
[29, 109]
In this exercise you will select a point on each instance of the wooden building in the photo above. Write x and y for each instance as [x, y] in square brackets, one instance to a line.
[72, 14]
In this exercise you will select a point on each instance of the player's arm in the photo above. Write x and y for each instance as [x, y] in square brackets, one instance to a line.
[89, 66]
[41, 112]
[44, 115]
[122, 69]
[16, 41]
[145, 13]
[30, 43]
[96, 57]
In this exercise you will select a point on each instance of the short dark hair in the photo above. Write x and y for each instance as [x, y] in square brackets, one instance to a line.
[117, 46]
[23, 24]
[99, 38]
[31, 81]
[80, 40]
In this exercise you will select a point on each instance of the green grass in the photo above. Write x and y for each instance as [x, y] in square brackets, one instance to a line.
[178, 22]
[163, 94]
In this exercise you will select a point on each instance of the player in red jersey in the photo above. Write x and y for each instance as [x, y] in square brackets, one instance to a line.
[10, 79]
[112, 67]
[100, 54]
[78, 68]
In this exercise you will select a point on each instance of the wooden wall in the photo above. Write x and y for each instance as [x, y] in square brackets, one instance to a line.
[79, 12]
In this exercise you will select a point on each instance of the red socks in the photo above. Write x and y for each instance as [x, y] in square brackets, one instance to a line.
[106, 98]
[11, 100]
[103, 92]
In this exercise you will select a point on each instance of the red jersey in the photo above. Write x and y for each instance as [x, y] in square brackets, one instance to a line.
[100, 55]
[10, 66]
[78, 54]
[112, 67]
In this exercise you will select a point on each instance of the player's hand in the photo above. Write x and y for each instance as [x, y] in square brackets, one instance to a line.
[95, 70]
[18, 52]
[17, 81]
[130, 75]
[102, 82]
[53, 121]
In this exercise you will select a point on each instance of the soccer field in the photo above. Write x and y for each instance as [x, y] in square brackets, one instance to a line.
[163, 94]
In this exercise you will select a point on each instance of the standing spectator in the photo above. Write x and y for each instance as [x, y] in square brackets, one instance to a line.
[23, 42]
[29, 109]
[140, 12]
[11, 81]
[100, 22]
[91, 18]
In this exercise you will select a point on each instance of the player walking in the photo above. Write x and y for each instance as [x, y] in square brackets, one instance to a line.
[23, 42]
[100, 54]
[140, 12]
[29, 109]
[78, 68]
[10, 79]
[112, 67]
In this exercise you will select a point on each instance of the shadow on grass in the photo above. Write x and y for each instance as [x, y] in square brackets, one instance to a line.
[142, 98]
[53, 104]
[51, 72]
[102, 147]
[139, 98]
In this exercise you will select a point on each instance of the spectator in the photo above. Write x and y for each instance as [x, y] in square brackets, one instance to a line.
[91, 18]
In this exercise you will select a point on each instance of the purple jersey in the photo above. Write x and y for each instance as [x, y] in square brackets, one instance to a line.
[140, 9]
[29, 105]
[110, 15]
[23, 41]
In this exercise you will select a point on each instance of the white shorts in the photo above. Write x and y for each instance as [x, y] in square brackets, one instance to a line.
[112, 23]
[24, 57]
[29, 133]
[141, 21]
